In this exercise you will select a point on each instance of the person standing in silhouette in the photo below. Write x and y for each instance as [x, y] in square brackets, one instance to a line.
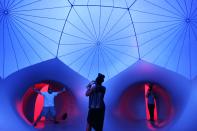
[49, 104]
[96, 92]
[151, 105]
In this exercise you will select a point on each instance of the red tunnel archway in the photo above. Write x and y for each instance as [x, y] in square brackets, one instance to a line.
[132, 105]
[32, 103]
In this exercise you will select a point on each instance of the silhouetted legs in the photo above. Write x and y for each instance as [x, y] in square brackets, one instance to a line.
[88, 127]
[151, 108]
[95, 119]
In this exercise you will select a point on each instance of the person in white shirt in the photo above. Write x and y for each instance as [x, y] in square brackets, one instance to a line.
[151, 105]
[49, 104]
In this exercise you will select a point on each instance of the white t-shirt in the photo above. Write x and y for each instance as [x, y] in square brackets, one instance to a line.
[49, 98]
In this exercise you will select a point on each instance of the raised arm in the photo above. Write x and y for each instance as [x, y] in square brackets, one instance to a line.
[90, 90]
[36, 90]
[64, 89]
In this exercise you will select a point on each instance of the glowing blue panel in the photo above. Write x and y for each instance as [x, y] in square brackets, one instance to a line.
[98, 39]
[29, 32]
[114, 3]
[167, 33]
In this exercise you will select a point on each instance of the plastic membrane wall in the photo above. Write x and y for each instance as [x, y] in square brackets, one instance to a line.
[68, 42]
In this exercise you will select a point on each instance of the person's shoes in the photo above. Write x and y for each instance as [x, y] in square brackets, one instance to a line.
[35, 124]
[152, 120]
[64, 116]
[56, 122]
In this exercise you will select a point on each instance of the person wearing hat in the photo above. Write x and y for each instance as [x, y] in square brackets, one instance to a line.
[96, 92]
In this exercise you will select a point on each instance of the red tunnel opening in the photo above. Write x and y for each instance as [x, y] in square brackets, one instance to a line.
[31, 105]
[133, 107]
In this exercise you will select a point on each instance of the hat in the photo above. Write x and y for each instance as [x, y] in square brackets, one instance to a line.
[101, 76]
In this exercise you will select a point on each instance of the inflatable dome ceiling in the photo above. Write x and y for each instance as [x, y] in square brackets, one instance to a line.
[99, 35]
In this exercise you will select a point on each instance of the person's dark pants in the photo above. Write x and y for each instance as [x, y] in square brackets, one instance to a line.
[45, 112]
[96, 118]
[151, 108]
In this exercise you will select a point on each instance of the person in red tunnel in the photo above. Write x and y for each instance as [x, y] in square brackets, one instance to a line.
[96, 112]
[151, 105]
[49, 106]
